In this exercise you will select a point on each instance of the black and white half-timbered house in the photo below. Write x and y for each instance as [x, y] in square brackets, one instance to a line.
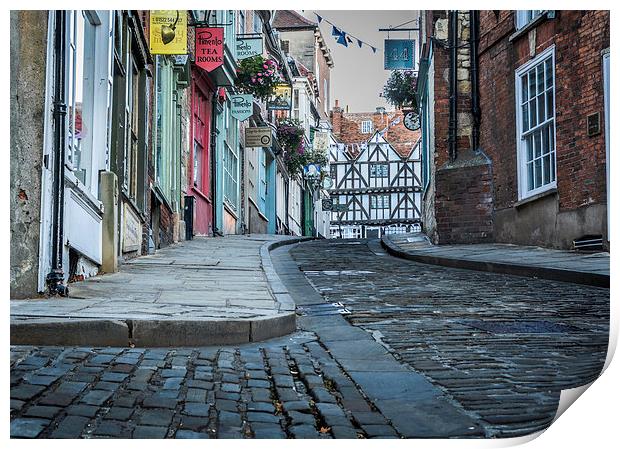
[382, 189]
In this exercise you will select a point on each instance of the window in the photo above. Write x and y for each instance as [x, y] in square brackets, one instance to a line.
[131, 127]
[258, 24]
[366, 127]
[231, 158]
[379, 201]
[378, 170]
[296, 104]
[325, 96]
[241, 22]
[333, 169]
[525, 17]
[536, 124]
[285, 46]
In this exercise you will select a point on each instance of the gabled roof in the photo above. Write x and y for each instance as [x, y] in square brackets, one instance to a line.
[290, 20]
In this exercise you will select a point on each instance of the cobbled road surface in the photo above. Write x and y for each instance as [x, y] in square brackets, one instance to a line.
[501, 346]
[287, 388]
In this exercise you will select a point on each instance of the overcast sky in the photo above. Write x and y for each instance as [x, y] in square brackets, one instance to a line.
[358, 75]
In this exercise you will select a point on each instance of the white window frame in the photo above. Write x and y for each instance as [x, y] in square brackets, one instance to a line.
[525, 16]
[366, 126]
[520, 143]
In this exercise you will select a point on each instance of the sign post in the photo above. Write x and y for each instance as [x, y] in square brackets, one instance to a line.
[209, 48]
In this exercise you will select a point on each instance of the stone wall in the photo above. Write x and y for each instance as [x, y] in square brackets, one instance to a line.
[28, 50]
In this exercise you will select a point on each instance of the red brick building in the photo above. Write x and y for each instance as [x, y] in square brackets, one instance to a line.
[521, 155]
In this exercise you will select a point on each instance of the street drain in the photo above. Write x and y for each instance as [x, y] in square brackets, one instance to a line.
[330, 308]
[520, 327]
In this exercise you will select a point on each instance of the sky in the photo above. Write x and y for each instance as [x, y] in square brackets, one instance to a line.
[358, 76]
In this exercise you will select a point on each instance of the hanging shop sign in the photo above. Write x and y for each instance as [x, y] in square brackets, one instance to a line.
[321, 141]
[209, 48]
[168, 32]
[259, 136]
[327, 204]
[242, 106]
[248, 46]
[399, 54]
[281, 100]
[312, 170]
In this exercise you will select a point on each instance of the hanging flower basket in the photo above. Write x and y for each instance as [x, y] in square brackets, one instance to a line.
[258, 76]
[400, 89]
[290, 135]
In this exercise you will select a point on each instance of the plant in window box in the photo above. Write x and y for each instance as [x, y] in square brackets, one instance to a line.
[258, 76]
[400, 89]
[290, 135]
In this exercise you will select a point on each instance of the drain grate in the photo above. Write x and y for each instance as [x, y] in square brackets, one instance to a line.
[332, 308]
[520, 327]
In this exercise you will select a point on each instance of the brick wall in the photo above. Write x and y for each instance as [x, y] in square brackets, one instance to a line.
[462, 203]
[579, 38]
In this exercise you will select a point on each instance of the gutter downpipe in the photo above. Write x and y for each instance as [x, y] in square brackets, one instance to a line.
[475, 98]
[55, 278]
[452, 38]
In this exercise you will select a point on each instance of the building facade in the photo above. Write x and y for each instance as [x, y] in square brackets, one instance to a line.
[525, 158]
[375, 169]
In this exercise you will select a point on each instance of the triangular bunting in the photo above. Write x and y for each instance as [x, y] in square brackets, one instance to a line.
[342, 39]
[319, 18]
[359, 43]
[336, 31]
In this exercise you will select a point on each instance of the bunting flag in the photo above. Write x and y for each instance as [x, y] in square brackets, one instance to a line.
[342, 37]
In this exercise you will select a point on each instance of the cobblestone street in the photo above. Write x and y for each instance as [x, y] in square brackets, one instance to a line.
[290, 388]
[502, 346]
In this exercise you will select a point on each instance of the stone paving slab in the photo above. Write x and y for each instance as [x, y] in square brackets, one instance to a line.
[531, 261]
[199, 292]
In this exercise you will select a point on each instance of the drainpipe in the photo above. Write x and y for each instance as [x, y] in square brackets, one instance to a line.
[475, 97]
[212, 163]
[55, 278]
[452, 37]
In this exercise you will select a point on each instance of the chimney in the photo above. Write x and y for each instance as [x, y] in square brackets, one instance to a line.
[336, 119]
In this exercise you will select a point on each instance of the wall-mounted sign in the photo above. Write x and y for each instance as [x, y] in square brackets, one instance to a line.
[259, 136]
[327, 204]
[209, 48]
[248, 46]
[399, 54]
[242, 106]
[321, 141]
[281, 100]
[168, 32]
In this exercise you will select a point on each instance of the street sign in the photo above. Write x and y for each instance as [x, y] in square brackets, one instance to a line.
[399, 54]
[259, 136]
[340, 208]
[327, 204]
[242, 106]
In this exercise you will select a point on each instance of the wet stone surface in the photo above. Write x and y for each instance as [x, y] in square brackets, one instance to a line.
[270, 390]
[501, 346]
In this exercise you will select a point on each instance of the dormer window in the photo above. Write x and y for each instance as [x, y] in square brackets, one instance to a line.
[366, 126]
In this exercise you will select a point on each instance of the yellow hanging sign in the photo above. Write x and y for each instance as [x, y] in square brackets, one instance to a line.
[168, 32]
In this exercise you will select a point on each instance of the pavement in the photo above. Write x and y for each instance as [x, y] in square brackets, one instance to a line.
[590, 268]
[200, 292]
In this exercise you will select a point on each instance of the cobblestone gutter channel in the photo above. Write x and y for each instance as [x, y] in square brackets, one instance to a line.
[501, 346]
